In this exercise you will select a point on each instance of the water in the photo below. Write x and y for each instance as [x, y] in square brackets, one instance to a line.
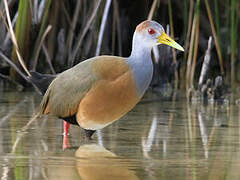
[156, 140]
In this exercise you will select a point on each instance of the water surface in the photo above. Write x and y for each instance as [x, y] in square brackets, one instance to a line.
[156, 140]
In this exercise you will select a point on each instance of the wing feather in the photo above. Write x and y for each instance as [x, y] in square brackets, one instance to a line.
[66, 91]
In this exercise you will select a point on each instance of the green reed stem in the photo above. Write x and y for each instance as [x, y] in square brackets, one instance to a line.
[22, 34]
[43, 27]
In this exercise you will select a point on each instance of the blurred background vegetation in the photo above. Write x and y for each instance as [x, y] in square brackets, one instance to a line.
[54, 35]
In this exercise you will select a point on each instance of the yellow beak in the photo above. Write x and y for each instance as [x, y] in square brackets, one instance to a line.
[165, 39]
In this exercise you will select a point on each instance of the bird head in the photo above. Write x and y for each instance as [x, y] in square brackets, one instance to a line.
[152, 34]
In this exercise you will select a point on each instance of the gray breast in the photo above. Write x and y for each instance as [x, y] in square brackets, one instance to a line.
[142, 71]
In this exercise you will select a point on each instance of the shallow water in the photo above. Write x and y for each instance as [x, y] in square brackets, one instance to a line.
[156, 140]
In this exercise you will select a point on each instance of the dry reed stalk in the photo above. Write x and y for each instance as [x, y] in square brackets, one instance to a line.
[195, 53]
[173, 50]
[190, 19]
[6, 59]
[53, 19]
[48, 58]
[190, 54]
[40, 10]
[193, 48]
[206, 62]
[113, 32]
[150, 16]
[66, 14]
[43, 26]
[73, 26]
[183, 70]
[7, 41]
[152, 10]
[36, 10]
[116, 15]
[82, 35]
[12, 35]
[217, 19]
[215, 37]
[102, 27]
[35, 60]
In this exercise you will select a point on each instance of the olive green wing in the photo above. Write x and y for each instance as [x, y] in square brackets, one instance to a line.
[64, 94]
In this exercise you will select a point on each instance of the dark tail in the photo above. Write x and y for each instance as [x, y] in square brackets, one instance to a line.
[41, 81]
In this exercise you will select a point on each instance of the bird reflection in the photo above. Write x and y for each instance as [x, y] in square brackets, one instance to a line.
[93, 162]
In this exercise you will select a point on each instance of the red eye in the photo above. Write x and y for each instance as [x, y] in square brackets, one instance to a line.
[151, 31]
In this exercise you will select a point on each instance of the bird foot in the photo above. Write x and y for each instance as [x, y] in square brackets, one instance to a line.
[88, 134]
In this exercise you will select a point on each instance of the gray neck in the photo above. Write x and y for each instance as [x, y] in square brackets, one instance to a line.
[140, 62]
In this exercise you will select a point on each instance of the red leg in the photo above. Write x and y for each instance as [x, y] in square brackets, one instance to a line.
[66, 126]
[65, 143]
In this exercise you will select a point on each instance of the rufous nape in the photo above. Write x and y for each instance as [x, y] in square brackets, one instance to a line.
[102, 89]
